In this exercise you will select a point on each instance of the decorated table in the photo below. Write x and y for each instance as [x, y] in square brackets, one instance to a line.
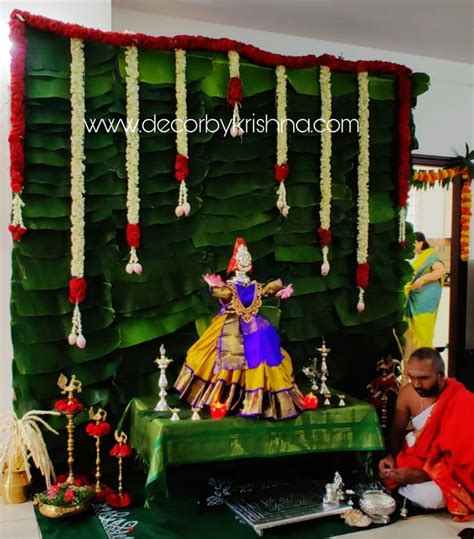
[162, 442]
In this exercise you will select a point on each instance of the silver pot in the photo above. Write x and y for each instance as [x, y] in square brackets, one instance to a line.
[378, 505]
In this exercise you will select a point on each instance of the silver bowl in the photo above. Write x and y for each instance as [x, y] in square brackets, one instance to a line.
[378, 505]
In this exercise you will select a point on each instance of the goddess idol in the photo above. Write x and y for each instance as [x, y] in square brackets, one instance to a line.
[238, 361]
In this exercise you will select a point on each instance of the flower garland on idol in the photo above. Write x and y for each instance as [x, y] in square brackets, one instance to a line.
[132, 156]
[324, 231]
[17, 119]
[234, 93]
[77, 283]
[181, 167]
[362, 274]
[282, 168]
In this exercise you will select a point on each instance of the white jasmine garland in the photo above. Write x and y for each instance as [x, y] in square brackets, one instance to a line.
[183, 207]
[402, 226]
[326, 153]
[132, 151]
[363, 178]
[77, 90]
[234, 71]
[282, 134]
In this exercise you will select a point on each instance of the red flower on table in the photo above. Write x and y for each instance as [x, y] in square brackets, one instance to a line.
[234, 91]
[325, 236]
[119, 500]
[121, 450]
[66, 406]
[77, 290]
[281, 171]
[181, 167]
[133, 235]
[98, 429]
[17, 232]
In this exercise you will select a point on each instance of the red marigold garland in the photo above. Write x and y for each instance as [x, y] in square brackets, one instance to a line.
[404, 162]
[17, 121]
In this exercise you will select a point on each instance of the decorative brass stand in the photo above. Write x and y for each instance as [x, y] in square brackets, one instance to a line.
[99, 417]
[70, 388]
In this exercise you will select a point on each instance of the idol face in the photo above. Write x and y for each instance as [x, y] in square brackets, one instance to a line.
[244, 259]
[426, 381]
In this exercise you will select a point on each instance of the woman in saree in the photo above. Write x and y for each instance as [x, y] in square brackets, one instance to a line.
[423, 295]
[238, 361]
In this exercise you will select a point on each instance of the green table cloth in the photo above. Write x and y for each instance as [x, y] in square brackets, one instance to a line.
[161, 442]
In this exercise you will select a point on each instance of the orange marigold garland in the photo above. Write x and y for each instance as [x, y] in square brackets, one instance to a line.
[466, 212]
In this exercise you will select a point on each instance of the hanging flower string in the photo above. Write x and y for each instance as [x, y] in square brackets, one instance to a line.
[404, 165]
[77, 283]
[234, 93]
[132, 159]
[324, 231]
[181, 167]
[17, 120]
[282, 168]
[362, 274]
[466, 211]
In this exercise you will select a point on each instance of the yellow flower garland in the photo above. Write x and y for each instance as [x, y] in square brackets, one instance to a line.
[282, 134]
[363, 179]
[132, 153]
[77, 89]
[326, 152]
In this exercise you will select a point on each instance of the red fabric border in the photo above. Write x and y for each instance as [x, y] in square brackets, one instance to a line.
[18, 18]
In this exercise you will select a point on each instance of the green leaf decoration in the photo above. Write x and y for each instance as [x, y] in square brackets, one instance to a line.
[232, 192]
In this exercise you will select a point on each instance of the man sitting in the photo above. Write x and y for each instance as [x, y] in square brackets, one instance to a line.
[434, 466]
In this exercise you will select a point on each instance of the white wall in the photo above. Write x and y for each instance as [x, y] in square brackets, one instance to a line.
[94, 13]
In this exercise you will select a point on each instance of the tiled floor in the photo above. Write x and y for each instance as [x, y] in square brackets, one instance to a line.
[18, 522]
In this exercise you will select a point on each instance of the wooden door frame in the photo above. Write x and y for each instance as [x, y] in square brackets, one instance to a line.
[458, 284]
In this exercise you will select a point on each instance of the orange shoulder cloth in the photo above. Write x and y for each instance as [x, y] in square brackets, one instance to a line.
[444, 449]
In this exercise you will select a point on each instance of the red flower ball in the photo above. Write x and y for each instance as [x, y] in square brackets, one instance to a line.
[98, 429]
[234, 91]
[362, 276]
[66, 407]
[17, 232]
[325, 236]
[181, 167]
[281, 171]
[77, 290]
[119, 500]
[121, 450]
[133, 235]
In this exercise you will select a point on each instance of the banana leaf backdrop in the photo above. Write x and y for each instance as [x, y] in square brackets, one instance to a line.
[232, 193]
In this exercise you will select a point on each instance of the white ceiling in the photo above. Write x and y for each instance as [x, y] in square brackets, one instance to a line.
[436, 28]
